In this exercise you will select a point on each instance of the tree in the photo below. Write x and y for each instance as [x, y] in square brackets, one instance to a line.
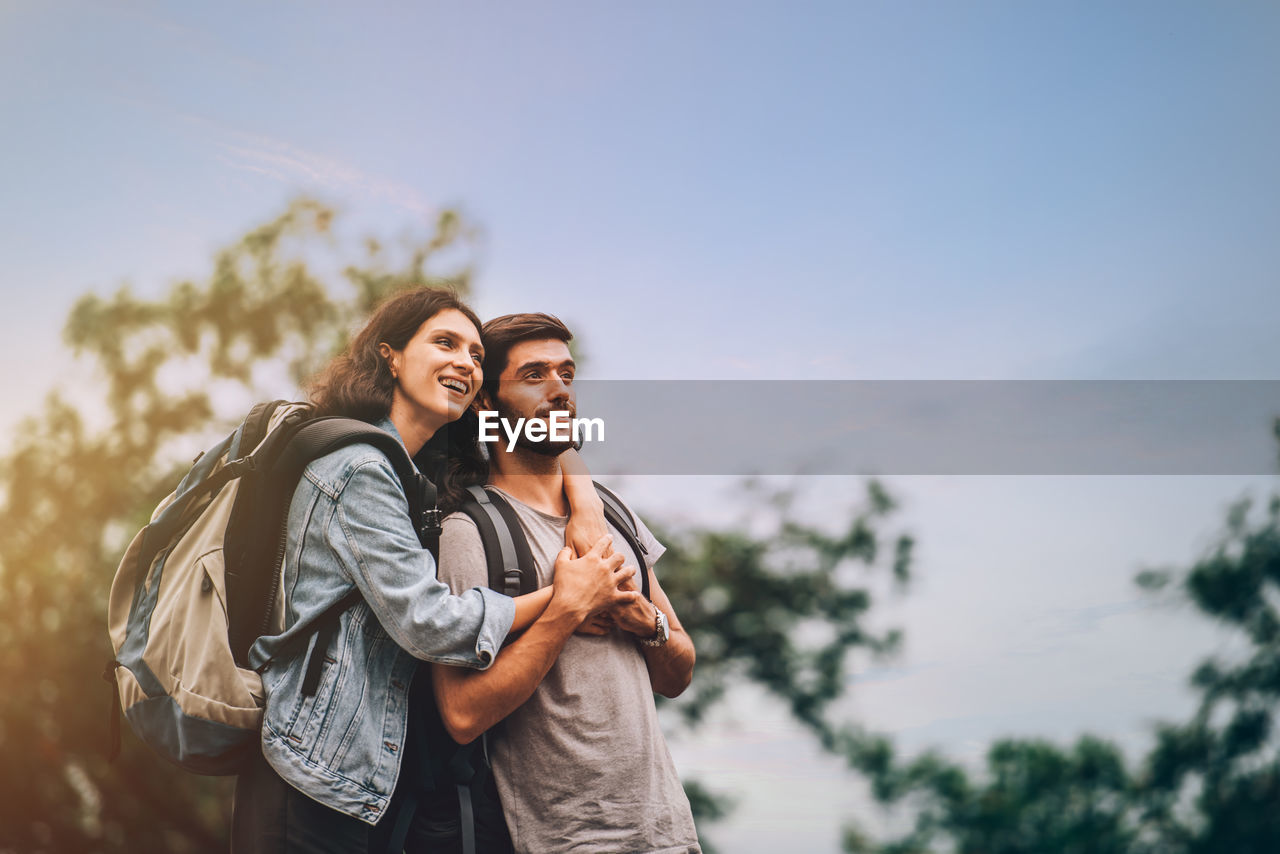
[1208, 785]
[175, 371]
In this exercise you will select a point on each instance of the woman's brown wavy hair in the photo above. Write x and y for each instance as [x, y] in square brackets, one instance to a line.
[358, 382]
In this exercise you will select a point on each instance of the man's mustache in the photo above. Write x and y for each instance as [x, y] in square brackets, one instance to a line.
[543, 414]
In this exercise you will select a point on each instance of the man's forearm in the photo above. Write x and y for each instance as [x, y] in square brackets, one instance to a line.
[472, 701]
[670, 665]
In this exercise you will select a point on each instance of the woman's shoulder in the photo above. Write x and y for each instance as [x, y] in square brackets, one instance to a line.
[359, 463]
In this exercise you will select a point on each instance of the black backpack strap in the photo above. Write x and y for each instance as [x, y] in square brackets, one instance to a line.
[322, 436]
[528, 580]
[327, 627]
[619, 516]
[507, 554]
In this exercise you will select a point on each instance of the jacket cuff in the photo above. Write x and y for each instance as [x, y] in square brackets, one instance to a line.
[499, 614]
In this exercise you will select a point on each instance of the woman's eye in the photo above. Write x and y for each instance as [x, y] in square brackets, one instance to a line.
[444, 342]
[477, 358]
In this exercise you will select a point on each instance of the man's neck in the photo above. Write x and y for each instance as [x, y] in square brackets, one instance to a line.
[533, 478]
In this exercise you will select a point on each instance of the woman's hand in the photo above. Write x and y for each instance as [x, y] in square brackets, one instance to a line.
[599, 623]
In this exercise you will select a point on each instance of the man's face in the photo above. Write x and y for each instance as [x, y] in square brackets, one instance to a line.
[537, 381]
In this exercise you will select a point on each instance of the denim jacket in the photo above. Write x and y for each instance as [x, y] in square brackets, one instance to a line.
[349, 525]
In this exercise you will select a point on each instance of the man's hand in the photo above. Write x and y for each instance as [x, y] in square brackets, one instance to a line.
[591, 582]
[598, 624]
[636, 615]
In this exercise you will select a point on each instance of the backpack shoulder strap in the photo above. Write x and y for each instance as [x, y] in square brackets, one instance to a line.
[322, 436]
[619, 516]
[506, 550]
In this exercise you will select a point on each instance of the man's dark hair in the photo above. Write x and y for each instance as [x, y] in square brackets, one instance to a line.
[502, 333]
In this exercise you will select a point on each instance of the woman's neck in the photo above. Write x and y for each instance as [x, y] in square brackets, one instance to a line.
[415, 428]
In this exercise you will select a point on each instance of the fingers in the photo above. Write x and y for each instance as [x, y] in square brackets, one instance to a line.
[598, 549]
[626, 598]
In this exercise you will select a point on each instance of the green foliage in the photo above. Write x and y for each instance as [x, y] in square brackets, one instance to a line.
[1214, 780]
[784, 608]
[1035, 799]
[1208, 785]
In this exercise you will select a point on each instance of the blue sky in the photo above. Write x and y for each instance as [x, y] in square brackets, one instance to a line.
[737, 190]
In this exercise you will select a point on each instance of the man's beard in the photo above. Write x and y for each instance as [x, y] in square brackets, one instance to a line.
[545, 448]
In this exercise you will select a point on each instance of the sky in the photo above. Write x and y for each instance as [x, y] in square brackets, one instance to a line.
[747, 191]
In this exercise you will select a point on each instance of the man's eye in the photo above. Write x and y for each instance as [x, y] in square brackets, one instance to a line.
[533, 375]
[568, 377]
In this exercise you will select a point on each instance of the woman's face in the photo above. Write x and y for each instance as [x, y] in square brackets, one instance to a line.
[438, 371]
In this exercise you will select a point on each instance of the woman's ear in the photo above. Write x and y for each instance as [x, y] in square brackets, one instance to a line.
[392, 357]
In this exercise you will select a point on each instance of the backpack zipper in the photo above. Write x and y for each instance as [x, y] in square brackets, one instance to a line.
[276, 566]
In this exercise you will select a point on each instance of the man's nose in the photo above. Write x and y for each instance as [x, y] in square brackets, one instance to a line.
[558, 390]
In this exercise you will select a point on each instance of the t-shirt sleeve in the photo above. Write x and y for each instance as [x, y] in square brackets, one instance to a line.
[462, 561]
[654, 548]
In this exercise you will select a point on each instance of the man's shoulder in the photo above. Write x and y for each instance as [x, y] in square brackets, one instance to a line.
[462, 558]
[653, 548]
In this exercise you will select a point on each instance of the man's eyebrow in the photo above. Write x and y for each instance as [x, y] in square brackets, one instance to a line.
[545, 365]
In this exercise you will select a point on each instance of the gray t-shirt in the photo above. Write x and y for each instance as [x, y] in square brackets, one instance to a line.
[582, 766]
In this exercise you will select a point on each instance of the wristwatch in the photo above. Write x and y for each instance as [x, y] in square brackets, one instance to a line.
[661, 631]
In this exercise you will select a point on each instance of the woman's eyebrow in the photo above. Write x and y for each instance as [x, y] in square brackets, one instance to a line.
[449, 333]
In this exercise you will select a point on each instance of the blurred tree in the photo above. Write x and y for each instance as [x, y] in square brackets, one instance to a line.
[1207, 786]
[1213, 783]
[176, 371]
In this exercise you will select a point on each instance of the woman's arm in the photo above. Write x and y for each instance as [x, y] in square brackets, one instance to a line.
[374, 542]
[529, 607]
[586, 509]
